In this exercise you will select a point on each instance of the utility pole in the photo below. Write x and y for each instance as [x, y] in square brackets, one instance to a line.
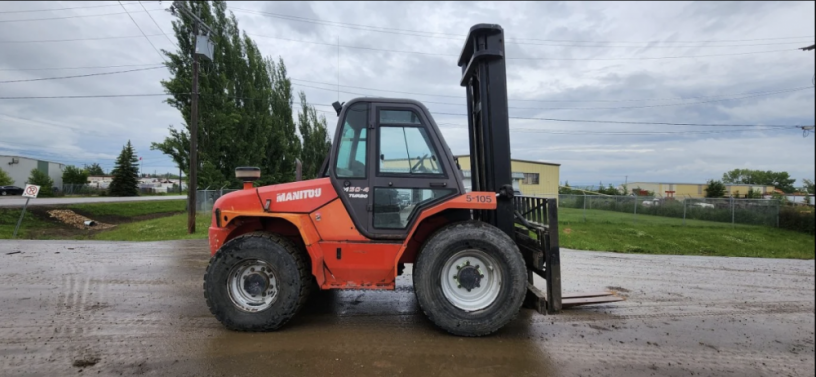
[200, 47]
[193, 186]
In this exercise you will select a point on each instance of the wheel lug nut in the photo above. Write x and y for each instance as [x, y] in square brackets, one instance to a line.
[252, 269]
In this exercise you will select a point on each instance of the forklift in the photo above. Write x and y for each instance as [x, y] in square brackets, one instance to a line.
[391, 193]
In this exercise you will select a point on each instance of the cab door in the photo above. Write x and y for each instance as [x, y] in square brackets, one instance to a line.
[409, 171]
[349, 164]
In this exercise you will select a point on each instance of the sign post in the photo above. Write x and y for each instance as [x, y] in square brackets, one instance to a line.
[30, 191]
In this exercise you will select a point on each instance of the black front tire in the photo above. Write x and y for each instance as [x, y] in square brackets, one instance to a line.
[428, 272]
[293, 281]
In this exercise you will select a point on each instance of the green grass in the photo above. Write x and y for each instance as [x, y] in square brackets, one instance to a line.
[8, 220]
[615, 231]
[603, 231]
[39, 227]
[129, 209]
[161, 229]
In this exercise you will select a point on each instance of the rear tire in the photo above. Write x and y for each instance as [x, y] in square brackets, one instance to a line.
[256, 282]
[470, 279]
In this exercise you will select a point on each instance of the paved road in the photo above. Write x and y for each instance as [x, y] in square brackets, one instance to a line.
[138, 309]
[18, 201]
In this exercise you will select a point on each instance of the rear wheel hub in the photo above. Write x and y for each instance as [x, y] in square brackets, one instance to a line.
[469, 277]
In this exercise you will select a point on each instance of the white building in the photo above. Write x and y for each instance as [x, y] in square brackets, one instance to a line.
[19, 169]
[157, 184]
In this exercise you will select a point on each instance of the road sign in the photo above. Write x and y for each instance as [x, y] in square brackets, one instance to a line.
[31, 191]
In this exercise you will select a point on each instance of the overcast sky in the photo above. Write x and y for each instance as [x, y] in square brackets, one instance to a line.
[600, 61]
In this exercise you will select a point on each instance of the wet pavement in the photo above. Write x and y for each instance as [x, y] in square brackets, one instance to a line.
[19, 201]
[125, 308]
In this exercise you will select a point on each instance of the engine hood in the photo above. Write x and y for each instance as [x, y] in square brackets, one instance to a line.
[297, 197]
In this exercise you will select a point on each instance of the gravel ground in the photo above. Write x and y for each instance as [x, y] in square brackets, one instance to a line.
[126, 308]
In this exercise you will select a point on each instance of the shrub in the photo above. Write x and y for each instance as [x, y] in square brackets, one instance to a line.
[5, 180]
[798, 220]
[44, 181]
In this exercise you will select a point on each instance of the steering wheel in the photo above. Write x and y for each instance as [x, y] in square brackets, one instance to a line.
[421, 165]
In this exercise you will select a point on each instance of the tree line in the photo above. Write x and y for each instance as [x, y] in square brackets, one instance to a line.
[245, 107]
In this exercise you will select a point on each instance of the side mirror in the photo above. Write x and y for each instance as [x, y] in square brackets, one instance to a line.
[337, 107]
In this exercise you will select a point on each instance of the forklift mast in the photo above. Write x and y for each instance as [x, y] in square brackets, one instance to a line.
[485, 77]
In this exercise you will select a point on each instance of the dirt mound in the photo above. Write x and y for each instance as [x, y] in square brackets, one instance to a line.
[69, 217]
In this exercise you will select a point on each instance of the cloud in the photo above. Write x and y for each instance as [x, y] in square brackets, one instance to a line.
[639, 89]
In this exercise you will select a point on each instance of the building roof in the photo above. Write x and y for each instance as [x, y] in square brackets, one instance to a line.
[516, 175]
[35, 159]
[516, 159]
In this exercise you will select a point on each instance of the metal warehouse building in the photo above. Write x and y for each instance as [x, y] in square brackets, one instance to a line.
[19, 169]
[530, 177]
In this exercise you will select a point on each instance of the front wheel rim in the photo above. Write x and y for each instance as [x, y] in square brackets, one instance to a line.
[252, 285]
[471, 280]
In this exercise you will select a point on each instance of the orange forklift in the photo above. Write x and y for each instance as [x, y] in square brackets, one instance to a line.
[391, 193]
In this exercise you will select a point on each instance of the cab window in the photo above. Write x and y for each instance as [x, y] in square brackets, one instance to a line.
[351, 152]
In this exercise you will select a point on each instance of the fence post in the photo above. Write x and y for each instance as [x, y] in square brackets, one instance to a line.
[585, 199]
[684, 211]
[732, 211]
[634, 217]
[777, 214]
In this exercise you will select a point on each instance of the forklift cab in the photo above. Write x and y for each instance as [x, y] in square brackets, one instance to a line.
[388, 162]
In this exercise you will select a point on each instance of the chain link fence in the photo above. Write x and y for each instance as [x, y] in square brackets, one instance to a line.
[728, 210]
[94, 189]
[88, 189]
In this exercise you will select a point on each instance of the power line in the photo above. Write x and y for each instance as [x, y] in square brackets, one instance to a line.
[638, 123]
[57, 9]
[434, 112]
[64, 17]
[655, 57]
[451, 36]
[142, 31]
[77, 76]
[546, 101]
[88, 96]
[647, 46]
[524, 58]
[79, 39]
[590, 108]
[46, 123]
[459, 37]
[86, 67]
[157, 25]
[591, 132]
